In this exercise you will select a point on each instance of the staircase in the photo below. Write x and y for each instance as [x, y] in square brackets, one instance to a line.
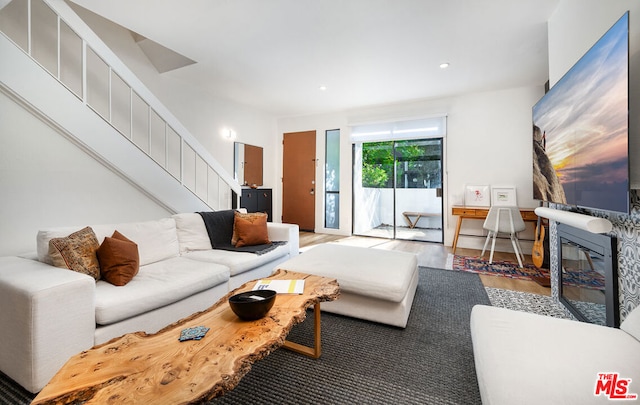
[55, 66]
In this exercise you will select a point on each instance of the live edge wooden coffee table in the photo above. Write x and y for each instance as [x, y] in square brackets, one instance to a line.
[158, 368]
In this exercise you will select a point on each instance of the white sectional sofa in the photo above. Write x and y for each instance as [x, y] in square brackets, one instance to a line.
[523, 358]
[49, 314]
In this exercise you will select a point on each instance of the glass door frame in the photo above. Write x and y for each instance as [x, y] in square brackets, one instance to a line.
[394, 187]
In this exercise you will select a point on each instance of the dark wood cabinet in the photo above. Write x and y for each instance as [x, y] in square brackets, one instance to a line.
[257, 200]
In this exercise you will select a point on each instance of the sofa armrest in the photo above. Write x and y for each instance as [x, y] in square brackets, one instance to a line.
[511, 368]
[48, 315]
[288, 232]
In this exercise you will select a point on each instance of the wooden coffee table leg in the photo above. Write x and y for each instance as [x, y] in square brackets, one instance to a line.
[313, 352]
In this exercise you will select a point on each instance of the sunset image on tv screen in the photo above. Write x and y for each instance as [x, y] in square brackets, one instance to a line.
[581, 125]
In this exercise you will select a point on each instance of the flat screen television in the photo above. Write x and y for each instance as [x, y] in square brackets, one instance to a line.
[581, 127]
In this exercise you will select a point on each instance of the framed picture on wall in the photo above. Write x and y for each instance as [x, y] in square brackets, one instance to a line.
[504, 196]
[477, 196]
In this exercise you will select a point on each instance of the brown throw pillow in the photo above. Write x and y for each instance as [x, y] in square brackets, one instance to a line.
[251, 231]
[77, 252]
[119, 259]
[251, 217]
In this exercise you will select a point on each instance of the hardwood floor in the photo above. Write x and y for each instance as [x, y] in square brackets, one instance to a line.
[435, 255]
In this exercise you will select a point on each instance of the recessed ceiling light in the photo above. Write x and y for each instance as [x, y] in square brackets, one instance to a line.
[444, 65]
[322, 88]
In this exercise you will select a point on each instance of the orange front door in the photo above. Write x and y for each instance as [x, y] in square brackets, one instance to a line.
[298, 179]
[253, 165]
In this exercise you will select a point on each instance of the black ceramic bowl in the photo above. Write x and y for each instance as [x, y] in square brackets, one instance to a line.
[251, 305]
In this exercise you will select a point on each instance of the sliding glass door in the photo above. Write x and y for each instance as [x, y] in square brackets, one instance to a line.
[373, 204]
[397, 189]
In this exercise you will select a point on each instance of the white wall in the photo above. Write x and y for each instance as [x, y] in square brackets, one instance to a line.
[47, 181]
[577, 24]
[574, 27]
[202, 113]
[488, 142]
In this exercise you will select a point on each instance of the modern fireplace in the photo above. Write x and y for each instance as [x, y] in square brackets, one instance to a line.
[588, 275]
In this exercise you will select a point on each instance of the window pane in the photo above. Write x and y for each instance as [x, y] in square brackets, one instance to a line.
[189, 168]
[140, 113]
[418, 164]
[70, 59]
[332, 211]
[332, 173]
[97, 84]
[332, 179]
[224, 195]
[158, 139]
[44, 36]
[121, 106]
[377, 164]
[213, 188]
[201, 178]
[13, 22]
[173, 153]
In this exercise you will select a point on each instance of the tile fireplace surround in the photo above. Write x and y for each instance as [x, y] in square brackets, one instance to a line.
[627, 229]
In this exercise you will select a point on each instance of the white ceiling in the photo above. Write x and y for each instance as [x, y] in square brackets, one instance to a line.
[275, 54]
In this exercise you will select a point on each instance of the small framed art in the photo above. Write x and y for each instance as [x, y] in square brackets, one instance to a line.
[504, 196]
[477, 196]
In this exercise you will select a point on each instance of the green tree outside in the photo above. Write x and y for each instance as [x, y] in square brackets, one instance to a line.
[417, 164]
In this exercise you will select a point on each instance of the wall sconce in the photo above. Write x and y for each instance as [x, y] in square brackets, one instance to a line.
[229, 133]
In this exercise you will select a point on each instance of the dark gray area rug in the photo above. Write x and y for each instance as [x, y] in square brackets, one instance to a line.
[429, 362]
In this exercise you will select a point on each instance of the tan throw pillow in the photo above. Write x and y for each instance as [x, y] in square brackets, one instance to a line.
[119, 259]
[251, 231]
[251, 217]
[76, 252]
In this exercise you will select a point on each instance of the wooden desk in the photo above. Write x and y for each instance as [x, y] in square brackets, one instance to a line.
[464, 212]
[140, 368]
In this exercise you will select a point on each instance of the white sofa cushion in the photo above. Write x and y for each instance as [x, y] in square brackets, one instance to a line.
[192, 234]
[382, 274]
[156, 285]
[523, 358]
[237, 262]
[157, 240]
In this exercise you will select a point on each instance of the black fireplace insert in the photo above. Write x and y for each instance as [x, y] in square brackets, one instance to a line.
[588, 275]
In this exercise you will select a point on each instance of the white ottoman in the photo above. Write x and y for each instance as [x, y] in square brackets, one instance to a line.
[376, 285]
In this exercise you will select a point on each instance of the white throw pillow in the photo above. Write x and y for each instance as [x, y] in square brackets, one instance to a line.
[192, 233]
[157, 240]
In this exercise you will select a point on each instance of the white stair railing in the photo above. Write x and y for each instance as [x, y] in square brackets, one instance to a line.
[53, 35]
